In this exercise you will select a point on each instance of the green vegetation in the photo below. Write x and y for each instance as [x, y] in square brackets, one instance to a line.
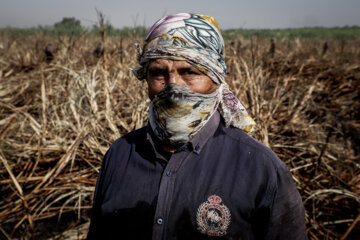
[124, 32]
[303, 33]
[72, 26]
[94, 31]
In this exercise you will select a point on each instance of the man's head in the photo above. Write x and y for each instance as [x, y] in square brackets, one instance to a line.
[182, 60]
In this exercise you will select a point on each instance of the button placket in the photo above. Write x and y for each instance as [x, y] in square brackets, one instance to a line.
[166, 191]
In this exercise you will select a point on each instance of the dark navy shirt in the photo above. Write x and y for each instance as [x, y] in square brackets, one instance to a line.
[223, 184]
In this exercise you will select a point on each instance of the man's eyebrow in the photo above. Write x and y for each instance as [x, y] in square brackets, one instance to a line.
[154, 70]
[154, 67]
[189, 68]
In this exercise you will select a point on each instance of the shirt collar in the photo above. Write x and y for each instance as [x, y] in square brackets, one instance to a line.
[201, 138]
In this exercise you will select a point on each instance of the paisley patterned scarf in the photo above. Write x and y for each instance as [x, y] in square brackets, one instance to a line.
[196, 39]
[176, 114]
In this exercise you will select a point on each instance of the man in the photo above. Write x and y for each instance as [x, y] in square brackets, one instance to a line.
[193, 172]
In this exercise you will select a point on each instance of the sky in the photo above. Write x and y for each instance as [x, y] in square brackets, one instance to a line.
[229, 13]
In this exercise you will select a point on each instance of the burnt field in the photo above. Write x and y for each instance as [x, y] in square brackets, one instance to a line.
[61, 111]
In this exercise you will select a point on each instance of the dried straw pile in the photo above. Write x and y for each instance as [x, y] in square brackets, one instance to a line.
[58, 119]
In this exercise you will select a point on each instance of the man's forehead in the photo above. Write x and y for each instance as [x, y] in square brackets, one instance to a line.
[164, 63]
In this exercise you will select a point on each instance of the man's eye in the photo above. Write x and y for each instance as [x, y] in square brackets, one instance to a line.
[191, 72]
[156, 73]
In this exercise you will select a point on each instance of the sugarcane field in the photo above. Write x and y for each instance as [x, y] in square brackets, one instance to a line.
[64, 99]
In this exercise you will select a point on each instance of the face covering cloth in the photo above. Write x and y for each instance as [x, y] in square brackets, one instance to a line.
[196, 39]
[176, 114]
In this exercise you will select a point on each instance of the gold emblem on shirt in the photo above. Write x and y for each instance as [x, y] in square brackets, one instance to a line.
[213, 217]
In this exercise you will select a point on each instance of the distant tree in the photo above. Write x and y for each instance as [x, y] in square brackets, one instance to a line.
[69, 26]
[68, 22]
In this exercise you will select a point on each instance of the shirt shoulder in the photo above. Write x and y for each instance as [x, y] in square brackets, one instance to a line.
[123, 147]
[245, 142]
[266, 167]
[133, 137]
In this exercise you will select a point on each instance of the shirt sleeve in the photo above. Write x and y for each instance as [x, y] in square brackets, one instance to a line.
[286, 213]
[95, 228]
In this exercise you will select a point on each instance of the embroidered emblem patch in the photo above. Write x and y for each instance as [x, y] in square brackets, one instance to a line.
[213, 217]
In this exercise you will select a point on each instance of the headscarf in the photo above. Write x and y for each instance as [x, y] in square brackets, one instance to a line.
[196, 39]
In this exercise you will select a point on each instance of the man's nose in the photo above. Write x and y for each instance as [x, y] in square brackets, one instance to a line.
[175, 78]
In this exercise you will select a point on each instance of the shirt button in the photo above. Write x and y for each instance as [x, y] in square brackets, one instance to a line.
[197, 147]
[168, 173]
[159, 221]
